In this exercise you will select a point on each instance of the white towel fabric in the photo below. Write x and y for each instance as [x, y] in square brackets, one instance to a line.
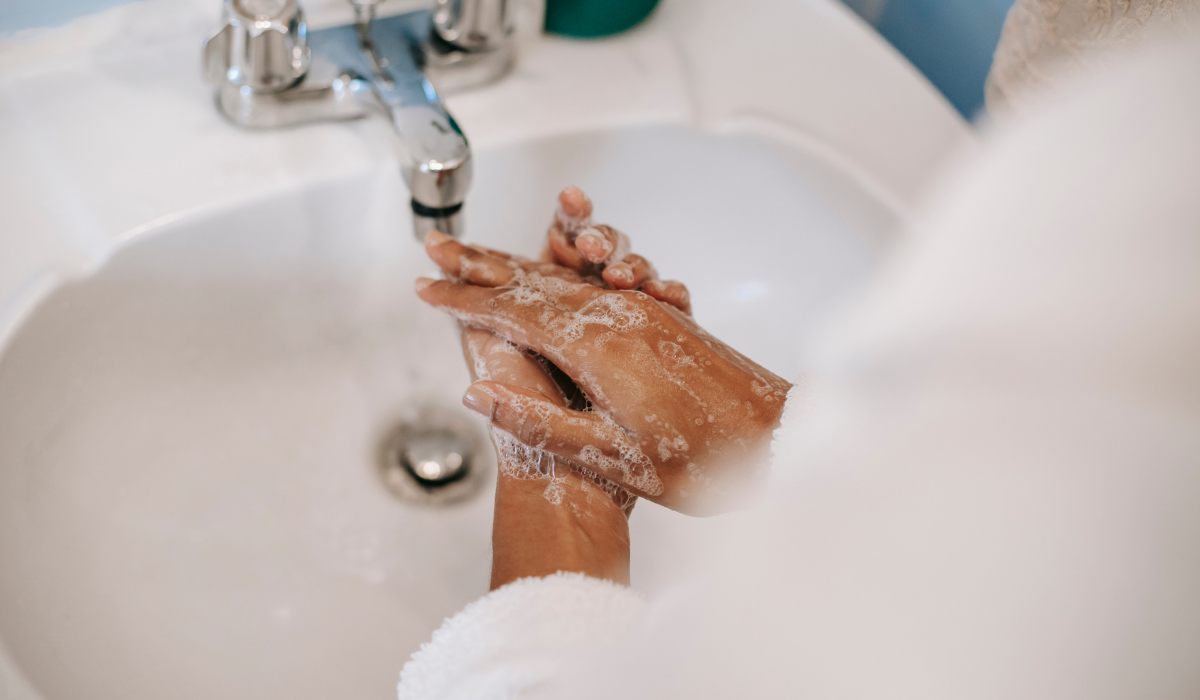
[509, 641]
[519, 635]
[1046, 41]
[1008, 502]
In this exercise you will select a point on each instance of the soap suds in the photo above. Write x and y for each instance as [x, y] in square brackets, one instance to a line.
[518, 460]
[537, 417]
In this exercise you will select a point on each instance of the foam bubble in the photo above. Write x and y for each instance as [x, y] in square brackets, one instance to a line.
[635, 467]
[475, 271]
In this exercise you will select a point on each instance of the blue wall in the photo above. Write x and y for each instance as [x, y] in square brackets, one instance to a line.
[950, 41]
[16, 15]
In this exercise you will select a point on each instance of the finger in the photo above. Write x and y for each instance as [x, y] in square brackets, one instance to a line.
[575, 203]
[584, 438]
[564, 251]
[630, 273]
[520, 315]
[598, 244]
[486, 267]
[467, 263]
[574, 210]
[490, 357]
[669, 292]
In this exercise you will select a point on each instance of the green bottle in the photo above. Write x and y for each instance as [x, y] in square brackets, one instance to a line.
[594, 18]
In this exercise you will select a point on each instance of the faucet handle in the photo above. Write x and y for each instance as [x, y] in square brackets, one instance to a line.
[261, 44]
[474, 25]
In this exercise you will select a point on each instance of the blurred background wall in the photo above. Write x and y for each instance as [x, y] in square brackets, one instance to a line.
[16, 15]
[950, 41]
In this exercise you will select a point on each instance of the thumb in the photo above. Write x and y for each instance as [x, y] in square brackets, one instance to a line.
[582, 437]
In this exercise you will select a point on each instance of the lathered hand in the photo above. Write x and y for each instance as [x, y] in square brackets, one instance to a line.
[679, 417]
[550, 514]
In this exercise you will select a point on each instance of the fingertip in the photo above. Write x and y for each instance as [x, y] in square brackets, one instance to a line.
[594, 246]
[669, 292]
[619, 276]
[481, 399]
[680, 296]
[423, 284]
[678, 288]
[575, 203]
[630, 273]
[445, 256]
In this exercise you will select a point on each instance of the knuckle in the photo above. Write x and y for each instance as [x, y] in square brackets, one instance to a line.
[532, 431]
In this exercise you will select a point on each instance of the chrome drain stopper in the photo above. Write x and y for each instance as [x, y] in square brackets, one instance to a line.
[432, 462]
[436, 457]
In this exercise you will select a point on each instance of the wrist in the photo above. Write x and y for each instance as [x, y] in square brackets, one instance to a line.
[557, 523]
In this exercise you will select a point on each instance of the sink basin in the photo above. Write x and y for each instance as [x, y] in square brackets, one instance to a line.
[189, 500]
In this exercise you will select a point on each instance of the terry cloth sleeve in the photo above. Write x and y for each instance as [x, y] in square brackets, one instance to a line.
[518, 636]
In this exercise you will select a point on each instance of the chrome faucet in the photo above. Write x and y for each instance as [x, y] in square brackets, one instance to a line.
[270, 71]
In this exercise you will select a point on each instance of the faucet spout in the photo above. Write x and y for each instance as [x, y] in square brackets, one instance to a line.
[435, 161]
[434, 155]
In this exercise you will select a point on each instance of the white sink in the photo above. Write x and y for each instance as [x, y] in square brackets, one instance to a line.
[205, 333]
[189, 505]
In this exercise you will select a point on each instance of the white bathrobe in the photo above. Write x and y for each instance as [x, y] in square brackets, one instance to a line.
[996, 493]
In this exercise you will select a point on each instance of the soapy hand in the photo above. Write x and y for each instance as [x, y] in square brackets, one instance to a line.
[677, 416]
[550, 514]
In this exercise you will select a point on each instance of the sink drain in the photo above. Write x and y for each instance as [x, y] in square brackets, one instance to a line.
[436, 460]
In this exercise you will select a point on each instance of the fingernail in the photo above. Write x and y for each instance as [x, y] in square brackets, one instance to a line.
[422, 283]
[593, 245]
[479, 401]
[571, 200]
[621, 272]
[435, 238]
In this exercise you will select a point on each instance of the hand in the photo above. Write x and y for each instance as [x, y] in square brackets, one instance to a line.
[680, 418]
[550, 515]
